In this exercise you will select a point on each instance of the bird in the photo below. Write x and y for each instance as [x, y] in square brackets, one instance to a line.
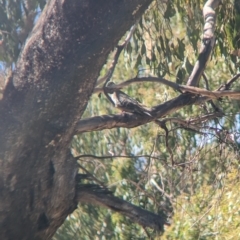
[125, 103]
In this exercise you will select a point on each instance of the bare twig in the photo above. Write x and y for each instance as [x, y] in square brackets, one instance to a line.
[229, 83]
[171, 84]
[162, 124]
[206, 80]
[205, 118]
[192, 123]
[93, 178]
[179, 121]
[223, 92]
[108, 75]
[140, 189]
[160, 189]
[118, 51]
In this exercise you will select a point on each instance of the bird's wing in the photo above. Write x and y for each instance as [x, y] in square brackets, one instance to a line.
[125, 99]
[131, 104]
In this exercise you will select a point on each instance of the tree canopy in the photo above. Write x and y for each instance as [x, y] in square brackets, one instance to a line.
[66, 152]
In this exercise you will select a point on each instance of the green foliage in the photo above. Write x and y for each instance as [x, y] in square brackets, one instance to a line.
[211, 213]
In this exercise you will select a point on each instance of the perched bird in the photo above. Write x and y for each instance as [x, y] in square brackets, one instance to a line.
[122, 101]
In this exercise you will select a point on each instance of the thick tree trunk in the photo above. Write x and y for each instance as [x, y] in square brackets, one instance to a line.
[42, 103]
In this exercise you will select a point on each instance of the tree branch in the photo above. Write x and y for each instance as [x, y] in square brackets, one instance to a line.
[164, 81]
[211, 94]
[114, 156]
[98, 196]
[129, 120]
[205, 118]
[207, 43]
[182, 122]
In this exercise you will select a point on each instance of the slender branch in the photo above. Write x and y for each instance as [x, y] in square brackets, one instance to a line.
[108, 75]
[91, 175]
[118, 51]
[223, 87]
[222, 92]
[205, 118]
[164, 81]
[168, 83]
[211, 94]
[138, 215]
[116, 156]
[162, 124]
[129, 36]
[160, 189]
[229, 83]
[191, 124]
[207, 43]
[181, 122]
[206, 80]
[147, 194]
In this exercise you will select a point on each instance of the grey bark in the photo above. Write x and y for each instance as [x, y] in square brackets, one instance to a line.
[42, 104]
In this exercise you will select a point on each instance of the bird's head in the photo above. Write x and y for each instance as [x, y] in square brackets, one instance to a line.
[110, 87]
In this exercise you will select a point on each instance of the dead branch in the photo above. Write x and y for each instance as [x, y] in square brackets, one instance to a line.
[112, 67]
[99, 196]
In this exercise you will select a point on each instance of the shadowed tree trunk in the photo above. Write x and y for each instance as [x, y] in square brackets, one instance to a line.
[42, 103]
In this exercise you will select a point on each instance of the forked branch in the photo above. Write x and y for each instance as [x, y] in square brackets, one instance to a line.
[129, 120]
